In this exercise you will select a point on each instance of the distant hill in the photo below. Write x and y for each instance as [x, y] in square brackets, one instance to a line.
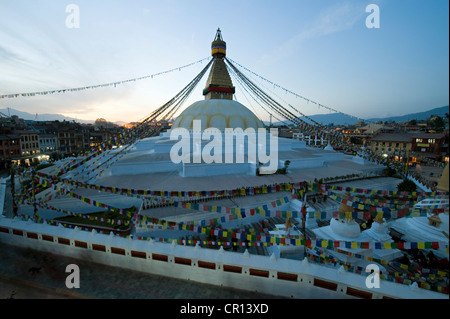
[342, 119]
[324, 119]
[40, 117]
[440, 111]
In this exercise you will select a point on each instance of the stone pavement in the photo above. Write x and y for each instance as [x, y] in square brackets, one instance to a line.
[15, 288]
[383, 183]
[96, 280]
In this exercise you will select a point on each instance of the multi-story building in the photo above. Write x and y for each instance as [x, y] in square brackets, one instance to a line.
[70, 142]
[29, 145]
[9, 149]
[418, 145]
[432, 145]
[364, 133]
[27, 142]
[48, 143]
[392, 143]
[73, 138]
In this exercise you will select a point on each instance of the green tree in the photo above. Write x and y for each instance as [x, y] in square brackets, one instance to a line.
[388, 171]
[407, 186]
[436, 123]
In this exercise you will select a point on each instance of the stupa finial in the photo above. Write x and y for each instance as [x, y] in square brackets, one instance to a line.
[218, 46]
[218, 35]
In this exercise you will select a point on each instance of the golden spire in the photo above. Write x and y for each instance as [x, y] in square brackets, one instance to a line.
[219, 84]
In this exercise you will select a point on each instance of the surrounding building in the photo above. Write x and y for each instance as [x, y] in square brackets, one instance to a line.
[48, 143]
[9, 149]
[392, 143]
[432, 145]
[71, 141]
[371, 129]
[29, 143]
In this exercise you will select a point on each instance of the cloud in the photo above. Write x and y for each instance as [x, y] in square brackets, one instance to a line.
[41, 41]
[336, 18]
[6, 54]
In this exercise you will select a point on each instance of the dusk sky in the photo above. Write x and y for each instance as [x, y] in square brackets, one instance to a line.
[319, 49]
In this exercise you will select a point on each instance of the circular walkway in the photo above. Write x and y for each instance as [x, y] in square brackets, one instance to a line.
[96, 280]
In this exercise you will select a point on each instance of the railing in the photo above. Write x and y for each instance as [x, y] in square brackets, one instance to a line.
[200, 264]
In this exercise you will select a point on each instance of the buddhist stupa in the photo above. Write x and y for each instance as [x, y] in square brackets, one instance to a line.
[218, 109]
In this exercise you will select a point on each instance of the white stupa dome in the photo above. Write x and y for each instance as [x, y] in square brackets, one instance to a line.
[219, 114]
[345, 228]
[380, 228]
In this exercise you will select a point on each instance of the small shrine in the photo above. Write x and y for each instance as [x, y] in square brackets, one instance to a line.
[434, 220]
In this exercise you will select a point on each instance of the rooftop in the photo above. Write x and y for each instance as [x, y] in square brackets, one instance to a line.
[429, 135]
[394, 137]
